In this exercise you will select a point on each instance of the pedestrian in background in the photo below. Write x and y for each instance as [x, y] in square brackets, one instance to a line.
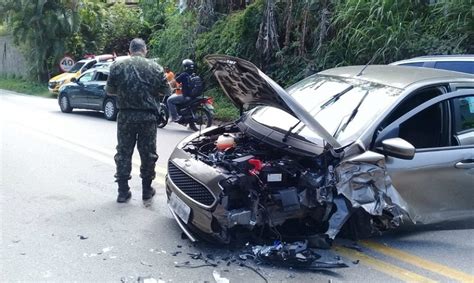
[137, 82]
[170, 77]
[183, 94]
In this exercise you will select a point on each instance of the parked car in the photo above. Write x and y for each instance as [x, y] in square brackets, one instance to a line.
[77, 69]
[109, 62]
[88, 92]
[458, 63]
[359, 149]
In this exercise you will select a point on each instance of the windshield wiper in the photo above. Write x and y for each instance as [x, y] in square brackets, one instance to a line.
[288, 133]
[336, 97]
[353, 114]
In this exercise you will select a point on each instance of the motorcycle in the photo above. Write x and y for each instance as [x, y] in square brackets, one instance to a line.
[198, 112]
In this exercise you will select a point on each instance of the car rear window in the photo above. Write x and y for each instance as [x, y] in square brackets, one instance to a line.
[458, 66]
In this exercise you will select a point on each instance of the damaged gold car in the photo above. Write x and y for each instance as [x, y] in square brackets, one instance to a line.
[358, 149]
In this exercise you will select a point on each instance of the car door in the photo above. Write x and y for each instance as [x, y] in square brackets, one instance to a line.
[438, 183]
[96, 90]
[80, 95]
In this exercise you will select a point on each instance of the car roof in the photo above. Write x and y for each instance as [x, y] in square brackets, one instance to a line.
[102, 69]
[437, 58]
[396, 76]
[85, 60]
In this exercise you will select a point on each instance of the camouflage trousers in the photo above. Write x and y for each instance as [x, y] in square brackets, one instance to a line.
[144, 136]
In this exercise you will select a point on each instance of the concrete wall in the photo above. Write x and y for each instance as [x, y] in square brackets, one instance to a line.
[11, 60]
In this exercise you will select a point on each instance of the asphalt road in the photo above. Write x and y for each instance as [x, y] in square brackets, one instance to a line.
[60, 222]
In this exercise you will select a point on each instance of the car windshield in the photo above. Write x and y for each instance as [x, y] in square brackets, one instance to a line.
[332, 101]
[76, 67]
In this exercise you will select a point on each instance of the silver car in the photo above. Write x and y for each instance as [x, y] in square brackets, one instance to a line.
[356, 149]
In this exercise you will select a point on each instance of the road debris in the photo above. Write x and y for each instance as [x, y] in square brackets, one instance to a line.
[81, 237]
[219, 279]
[293, 255]
[146, 263]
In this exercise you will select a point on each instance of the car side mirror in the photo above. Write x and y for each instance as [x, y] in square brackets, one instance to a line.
[73, 80]
[398, 147]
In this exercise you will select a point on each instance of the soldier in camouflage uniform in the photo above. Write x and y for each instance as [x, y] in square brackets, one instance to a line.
[137, 82]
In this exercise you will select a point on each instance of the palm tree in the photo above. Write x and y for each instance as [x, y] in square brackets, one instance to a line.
[40, 28]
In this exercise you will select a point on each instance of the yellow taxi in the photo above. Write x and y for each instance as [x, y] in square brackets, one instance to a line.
[76, 70]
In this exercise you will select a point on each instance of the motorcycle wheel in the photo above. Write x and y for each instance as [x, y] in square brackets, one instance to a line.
[203, 119]
[163, 116]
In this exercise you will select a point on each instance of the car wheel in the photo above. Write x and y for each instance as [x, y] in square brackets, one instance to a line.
[163, 116]
[64, 104]
[110, 110]
[203, 119]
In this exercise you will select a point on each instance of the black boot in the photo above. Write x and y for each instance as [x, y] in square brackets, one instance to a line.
[124, 193]
[147, 190]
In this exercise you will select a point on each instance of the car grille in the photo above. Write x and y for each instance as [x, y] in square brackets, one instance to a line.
[189, 186]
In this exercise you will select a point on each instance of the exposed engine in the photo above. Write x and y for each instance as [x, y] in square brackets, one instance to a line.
[267, 186]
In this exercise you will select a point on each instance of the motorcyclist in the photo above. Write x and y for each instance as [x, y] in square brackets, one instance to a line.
[189, 67]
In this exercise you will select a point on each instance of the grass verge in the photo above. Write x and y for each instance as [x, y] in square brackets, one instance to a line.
[25, 86]
[224, 109]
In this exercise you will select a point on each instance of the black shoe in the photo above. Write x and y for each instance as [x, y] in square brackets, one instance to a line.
[122, 197]
[149, 194]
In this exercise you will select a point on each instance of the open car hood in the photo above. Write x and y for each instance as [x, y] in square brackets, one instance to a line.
[246, 85]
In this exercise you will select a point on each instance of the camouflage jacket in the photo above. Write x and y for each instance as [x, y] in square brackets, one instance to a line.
[137, 82]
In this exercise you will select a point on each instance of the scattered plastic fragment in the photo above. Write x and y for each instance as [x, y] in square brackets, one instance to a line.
[354, 246]
[356, 261]
[107, 249]
[146, 263]
[147, 280]
[81, 237]
[187, 264]
[219, 279]
[293, 255]
[175, 253]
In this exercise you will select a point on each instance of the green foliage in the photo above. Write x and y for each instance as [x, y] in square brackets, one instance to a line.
[394, 30]
[3, 30]
[41, 28]
[156, 11]
[175, 42]
[225, 110]
[91, 36]
[19, 84]
[233, 35]
[122, 25]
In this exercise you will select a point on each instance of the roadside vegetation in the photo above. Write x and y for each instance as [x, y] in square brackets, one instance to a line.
[287, 39]
[22, 85]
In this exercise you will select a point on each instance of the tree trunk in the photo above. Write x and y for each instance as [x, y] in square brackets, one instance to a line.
[289, 24]
[323, 23]
[267, 41]
[304, 30]
[206, 15]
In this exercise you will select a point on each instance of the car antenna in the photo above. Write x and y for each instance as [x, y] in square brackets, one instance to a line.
[370, 61]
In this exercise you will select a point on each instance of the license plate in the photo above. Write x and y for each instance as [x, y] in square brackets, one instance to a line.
[180, 208]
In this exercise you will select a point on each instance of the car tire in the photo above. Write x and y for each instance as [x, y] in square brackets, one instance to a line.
[110, 109]
[204, 119]
[65, 104]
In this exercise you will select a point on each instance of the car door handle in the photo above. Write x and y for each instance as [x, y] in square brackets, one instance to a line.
[465, 164]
